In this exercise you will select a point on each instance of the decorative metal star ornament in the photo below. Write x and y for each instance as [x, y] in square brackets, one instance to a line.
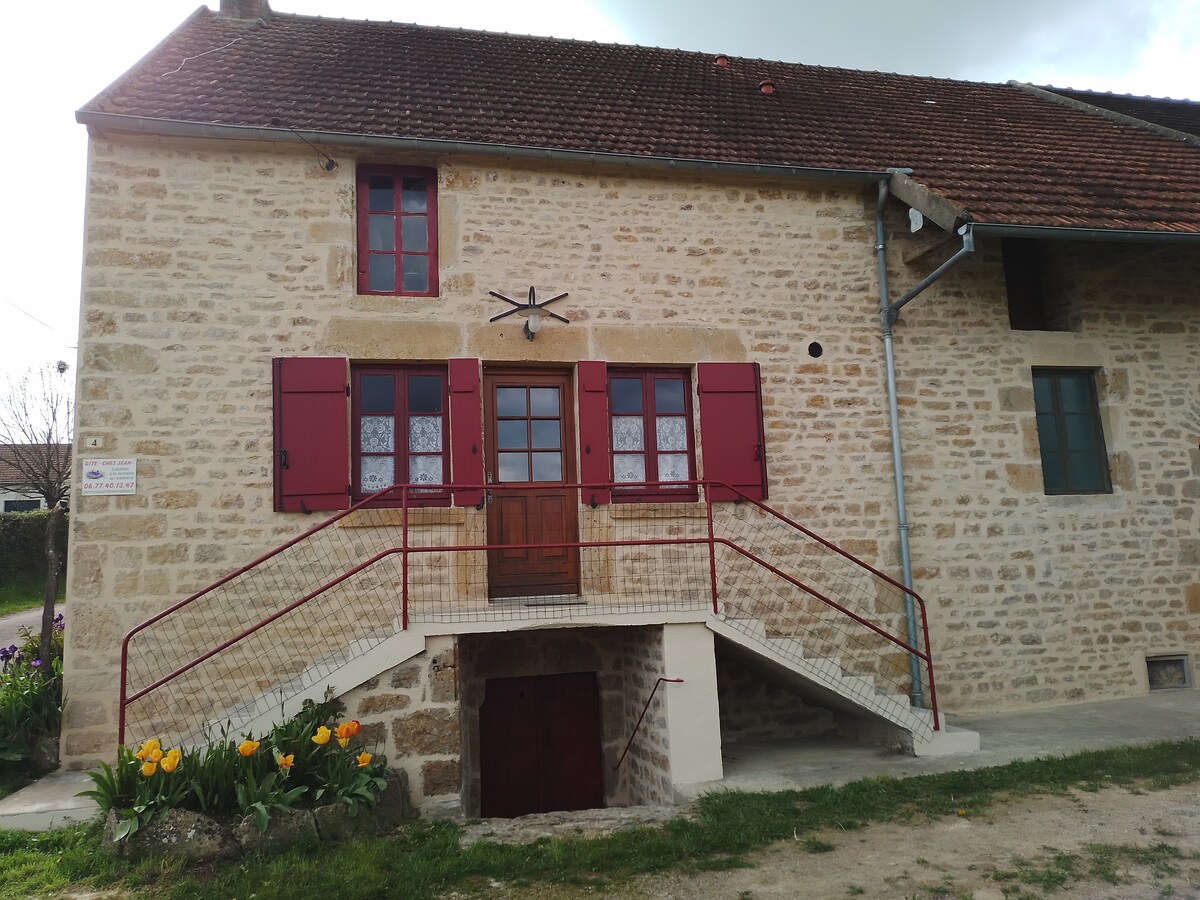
[531, 311]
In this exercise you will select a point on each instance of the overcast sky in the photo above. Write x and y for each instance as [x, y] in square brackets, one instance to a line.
[1127, 46]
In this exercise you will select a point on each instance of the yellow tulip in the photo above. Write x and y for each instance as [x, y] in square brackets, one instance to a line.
[169, 763]
[155, 755]
[285, 762]
[322, 736]
[364, 759]
[147, 748]
[148, 769]
[175, 753]
[248, 747]
[342, 742]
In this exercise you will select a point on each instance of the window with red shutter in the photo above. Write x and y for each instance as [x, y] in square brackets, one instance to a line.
[594, 464]
[466, 430]
[650, 411]
[731, 429]
[311, 451]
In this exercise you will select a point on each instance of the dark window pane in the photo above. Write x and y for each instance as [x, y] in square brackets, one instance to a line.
[1043, 393]
[547, 467]
[1086, 474]
[412, 196]
[543, 401]
[626, 395]
[382, 232]
[377, 393]
[546, 434]
[1081, 433]
[668, 395]
[514, 466]
[382, 272]
[1076, 393]
[1052, 472]
[380, 193]
[424, 394]
[414, 234]
[512, 435]
[416, 274]
[510, 402]
[22, 505]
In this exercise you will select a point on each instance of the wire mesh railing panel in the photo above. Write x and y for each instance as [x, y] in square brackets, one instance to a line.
[289, 621]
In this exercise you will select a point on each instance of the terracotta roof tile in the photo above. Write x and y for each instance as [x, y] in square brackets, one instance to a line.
[10, 474]
[999, 152]
[1181, 115]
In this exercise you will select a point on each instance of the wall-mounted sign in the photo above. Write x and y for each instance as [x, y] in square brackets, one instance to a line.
[101, 477]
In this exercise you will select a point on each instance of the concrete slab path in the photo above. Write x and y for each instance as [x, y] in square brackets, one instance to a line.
[785, 765]
[11, 625]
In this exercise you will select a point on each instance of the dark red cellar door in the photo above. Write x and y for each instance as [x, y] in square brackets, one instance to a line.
[312, 445]
[731, 429]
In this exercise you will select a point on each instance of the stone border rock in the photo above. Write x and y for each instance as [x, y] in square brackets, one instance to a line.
[195, 837]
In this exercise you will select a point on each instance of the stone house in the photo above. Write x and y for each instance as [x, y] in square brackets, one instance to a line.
[706, 484]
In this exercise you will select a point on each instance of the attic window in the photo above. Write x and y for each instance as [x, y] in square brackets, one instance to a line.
[767, 86]
[1032, 305]
[721, 60]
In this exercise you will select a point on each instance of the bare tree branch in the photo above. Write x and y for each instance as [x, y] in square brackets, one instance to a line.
[36, 418]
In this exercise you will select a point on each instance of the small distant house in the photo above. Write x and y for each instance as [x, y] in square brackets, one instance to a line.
[16, 492]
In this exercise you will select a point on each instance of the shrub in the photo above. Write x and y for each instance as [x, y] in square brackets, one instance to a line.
[301, 761]
[23, 544]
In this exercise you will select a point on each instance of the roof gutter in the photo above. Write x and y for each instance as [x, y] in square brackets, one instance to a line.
[180, 128]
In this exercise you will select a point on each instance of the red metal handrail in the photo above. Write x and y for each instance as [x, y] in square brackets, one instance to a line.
[636, 727]
[405, 550]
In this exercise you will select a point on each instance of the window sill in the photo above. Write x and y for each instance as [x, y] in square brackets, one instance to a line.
[656, 509]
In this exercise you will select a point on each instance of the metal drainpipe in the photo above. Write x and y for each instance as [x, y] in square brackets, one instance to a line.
[888, 314]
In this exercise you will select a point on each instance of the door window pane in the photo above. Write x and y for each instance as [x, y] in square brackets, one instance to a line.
[547, 467]
[510, 401]
[512, 435]
[546, 434]
[543, 401]
[513, 467]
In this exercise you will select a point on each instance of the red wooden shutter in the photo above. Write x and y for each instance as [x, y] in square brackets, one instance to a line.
[731, 428]
[312, 444]
[466, 431]
[593, 431]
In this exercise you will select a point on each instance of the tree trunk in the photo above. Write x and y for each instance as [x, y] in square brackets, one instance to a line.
[51, 593]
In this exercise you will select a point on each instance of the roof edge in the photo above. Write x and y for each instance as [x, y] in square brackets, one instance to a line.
[1111, 115]
[1071, 233]
[181, 128]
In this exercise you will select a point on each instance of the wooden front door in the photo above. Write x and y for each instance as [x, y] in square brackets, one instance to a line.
[540, 745]
[529, 431]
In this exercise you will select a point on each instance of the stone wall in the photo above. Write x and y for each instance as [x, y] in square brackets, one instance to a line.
[411, 714]
[755, 707]
[206, 259]
[646, 772]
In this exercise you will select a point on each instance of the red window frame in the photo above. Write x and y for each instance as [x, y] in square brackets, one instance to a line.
[397, 253]
[400, 452]
[649, 450]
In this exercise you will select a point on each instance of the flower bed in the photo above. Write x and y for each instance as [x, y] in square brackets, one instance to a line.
[31, 702]
[250, 793]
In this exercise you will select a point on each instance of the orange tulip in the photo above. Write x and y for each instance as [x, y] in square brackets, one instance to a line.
[248, 747]
[364, 759]
[322, 736]
[285, 762]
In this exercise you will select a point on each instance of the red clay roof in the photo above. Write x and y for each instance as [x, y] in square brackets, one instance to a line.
[1181, 115]
[997, 151]
[10, 474]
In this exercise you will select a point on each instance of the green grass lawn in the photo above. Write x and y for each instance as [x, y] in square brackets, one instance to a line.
[25, 592]
[424, 860]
